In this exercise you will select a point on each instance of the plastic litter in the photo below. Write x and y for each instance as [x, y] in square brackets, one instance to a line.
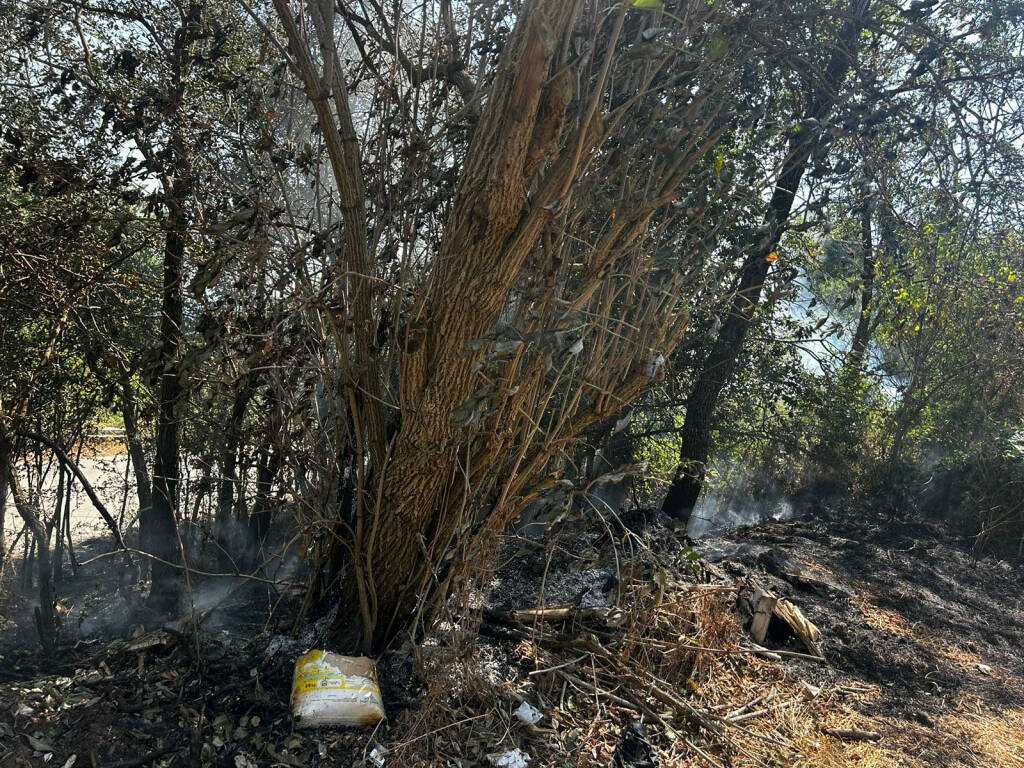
[514, 758]
[808, 691]
[656, 367]
[330, 690]
[377, 756]
[529, 714]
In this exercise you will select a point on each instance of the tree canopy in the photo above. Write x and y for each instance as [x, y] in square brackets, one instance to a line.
[387, 278]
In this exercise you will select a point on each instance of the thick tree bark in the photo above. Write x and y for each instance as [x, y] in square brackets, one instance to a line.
[489, 235]
[160, 526]
[721, 362]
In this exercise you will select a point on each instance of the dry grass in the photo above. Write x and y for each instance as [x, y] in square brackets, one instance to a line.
[590, 675]
[986, 739]
[791, 727]
[893, 623]
[884, 619]
[674, 658]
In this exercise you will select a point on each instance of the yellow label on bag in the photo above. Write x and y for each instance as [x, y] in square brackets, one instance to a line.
[334, 682]
[313, 674]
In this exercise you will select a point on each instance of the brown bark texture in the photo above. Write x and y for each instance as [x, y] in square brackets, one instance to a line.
[520, 335]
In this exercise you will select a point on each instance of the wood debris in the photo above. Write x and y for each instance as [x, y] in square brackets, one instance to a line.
[767, 606]
[852, 734]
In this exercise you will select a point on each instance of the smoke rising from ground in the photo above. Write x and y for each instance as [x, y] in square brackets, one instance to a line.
[737, 497]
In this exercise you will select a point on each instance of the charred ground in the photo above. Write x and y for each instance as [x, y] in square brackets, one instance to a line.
[922, 644]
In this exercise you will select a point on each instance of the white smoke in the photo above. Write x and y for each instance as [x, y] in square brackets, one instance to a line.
[735, 497]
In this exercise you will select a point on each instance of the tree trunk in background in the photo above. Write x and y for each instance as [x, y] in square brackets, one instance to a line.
[903, 421]
[862, 336]
[226, 527]
[143, 486]
[67, 528]
[45, 617]
[5, 467]
[721, 362]
[57, 522]
[840, 442]
[161, 525]
[607, 451]
[158, 529]
[261, 514]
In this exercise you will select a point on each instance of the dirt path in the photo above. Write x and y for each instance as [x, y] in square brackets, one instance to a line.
[106, 474]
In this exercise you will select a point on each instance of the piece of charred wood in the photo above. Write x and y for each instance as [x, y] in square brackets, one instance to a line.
[764, 607]
[803, 630]
[852, 734]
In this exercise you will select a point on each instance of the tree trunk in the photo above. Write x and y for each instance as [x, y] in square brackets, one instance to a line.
[72, 558]
[261, 514]
[45, 617]
[5, 467]
[903, 420]
[161, 525]
[225, 526]
[491, 232]
[143, 486]
[862, 336]
[426, 508]
[839, 444]
[58, 524]
[721, 362]
[158, 529]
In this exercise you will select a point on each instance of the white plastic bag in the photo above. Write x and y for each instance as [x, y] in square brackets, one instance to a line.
[529, 714]
[514, 758]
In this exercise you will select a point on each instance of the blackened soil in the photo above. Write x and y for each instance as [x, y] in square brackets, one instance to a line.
[901, 604]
